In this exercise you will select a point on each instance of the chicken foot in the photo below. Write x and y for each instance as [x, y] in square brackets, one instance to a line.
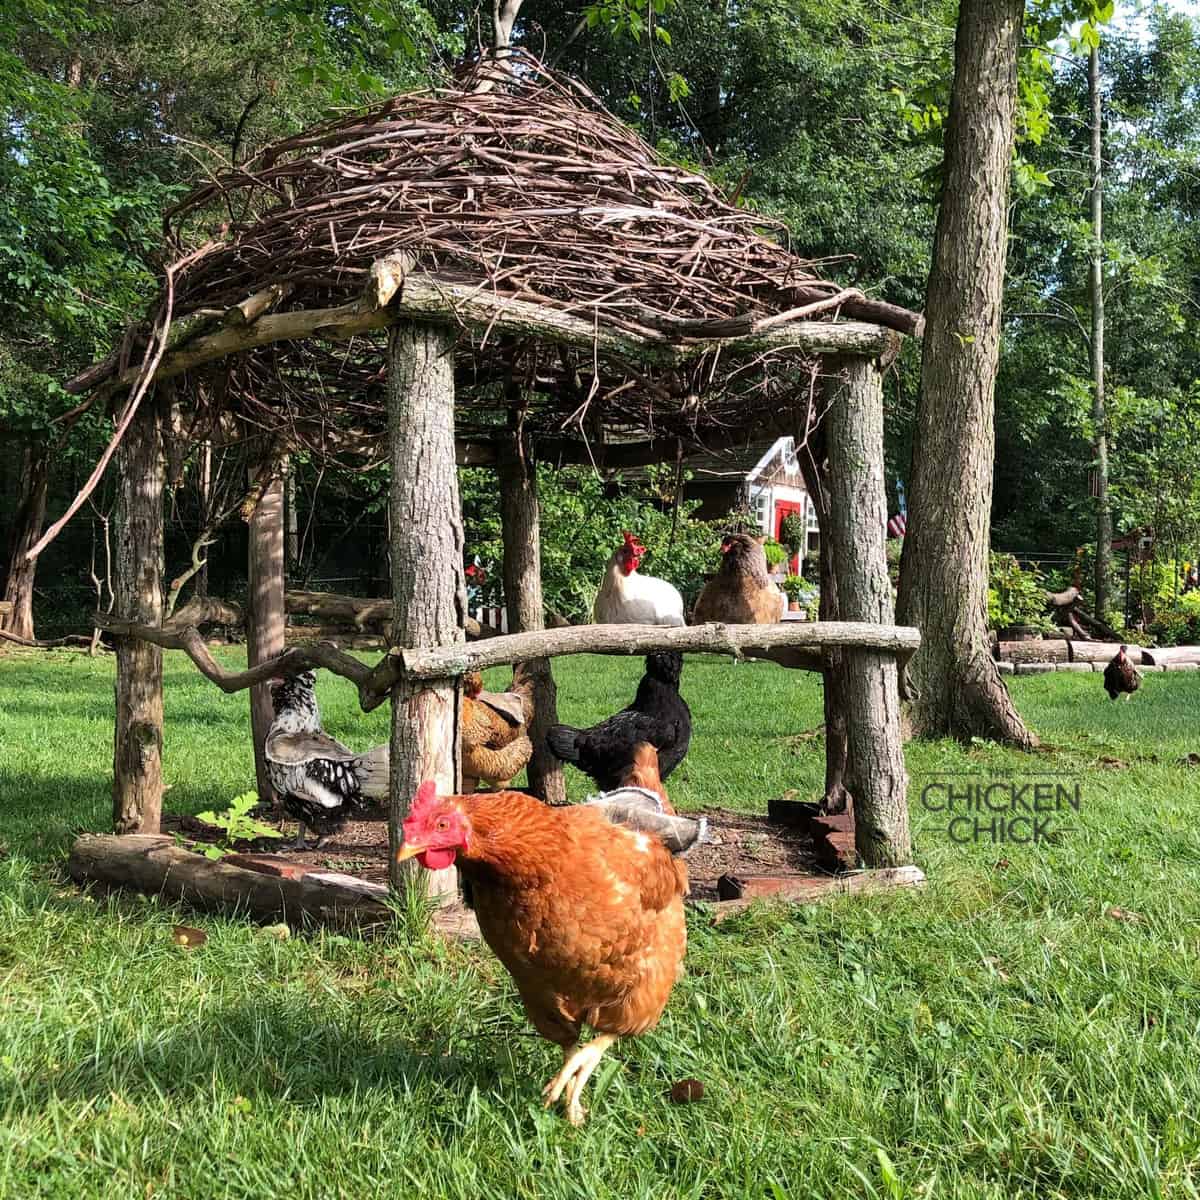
[578, 1064]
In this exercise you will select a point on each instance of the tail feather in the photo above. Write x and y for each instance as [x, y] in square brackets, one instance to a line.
[373, 770]
[523, 684]
[564, 742]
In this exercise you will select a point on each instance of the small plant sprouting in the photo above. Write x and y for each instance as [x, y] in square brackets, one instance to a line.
[238, 825]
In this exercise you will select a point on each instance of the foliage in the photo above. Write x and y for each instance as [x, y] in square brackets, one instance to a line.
[775, 553]
[583, 519]
[1015, 596]
[238, 825]
[806, 594]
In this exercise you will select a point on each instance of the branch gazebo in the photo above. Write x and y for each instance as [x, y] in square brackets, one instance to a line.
[499, 277]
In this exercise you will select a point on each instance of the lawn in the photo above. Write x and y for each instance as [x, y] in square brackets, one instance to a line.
[1025, 1026]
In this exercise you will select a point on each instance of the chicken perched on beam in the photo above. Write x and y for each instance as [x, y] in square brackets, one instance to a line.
[583, 905]
[629, 598]
[741, 592]
[318, 778]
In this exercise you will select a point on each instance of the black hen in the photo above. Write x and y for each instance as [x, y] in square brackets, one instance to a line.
[1121, 676]
[658, 715]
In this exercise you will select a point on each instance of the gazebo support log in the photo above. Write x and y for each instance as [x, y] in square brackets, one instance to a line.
[266, 619]
[853, 397]
[138, 571]
[428, 588]
[520, 519]
[814, 467]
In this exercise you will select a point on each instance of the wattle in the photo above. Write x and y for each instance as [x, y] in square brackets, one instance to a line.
[436, 860]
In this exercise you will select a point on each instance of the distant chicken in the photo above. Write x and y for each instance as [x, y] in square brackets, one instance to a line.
[658, 715]
[495, 746]
[1121, 676]
[582, 904]
[741, 593]
[319, 779]
[627, 598]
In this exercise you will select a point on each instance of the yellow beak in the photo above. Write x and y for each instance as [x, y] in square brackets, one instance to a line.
[407, 851]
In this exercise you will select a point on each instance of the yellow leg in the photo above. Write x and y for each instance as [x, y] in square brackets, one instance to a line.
[578, 1064]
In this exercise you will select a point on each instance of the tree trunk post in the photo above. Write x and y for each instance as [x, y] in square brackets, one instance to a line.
[138, 591]
[266, 617]
[521, 525]
[429, 592]
[1096, 288]
[952, 681]
[853, 397]
[26, 529]
[814, 468]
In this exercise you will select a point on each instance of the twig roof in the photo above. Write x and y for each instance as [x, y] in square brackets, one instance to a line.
[529, 193]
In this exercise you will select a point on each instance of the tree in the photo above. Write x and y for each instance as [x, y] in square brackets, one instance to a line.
[955, 687]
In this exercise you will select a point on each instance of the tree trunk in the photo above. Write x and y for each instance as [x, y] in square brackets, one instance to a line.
[266, 618]
[814, 467]
[204, 487]
[1099, 414]
[853, 396]
[26, 529]
[138, 571]
[953, 681]
[520, 521]
[428, 586]
[293, 519]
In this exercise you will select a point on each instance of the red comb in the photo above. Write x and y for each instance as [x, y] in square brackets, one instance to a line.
[425, 799]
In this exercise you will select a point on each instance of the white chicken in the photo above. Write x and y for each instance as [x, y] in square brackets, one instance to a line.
[627, 598]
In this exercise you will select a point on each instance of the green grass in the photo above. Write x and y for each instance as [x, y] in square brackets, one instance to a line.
[998, 1034]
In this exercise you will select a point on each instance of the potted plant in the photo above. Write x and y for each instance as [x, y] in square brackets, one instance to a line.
[776, 555]
[794, 589]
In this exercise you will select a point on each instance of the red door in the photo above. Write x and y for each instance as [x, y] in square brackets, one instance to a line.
[782, 509]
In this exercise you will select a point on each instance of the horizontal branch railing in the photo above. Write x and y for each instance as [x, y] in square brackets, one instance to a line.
[792, 644]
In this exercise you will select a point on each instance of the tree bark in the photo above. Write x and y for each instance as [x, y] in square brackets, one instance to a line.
[815, 469]
[26, 529]
[293, 519]
[428, 586]
[266, 619]
[1099, 411]
[953, 681]
[853, 395]
[138, 572]
[520, 520]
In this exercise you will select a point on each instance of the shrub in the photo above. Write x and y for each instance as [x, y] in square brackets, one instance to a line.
[793, 532]
[1015, 596]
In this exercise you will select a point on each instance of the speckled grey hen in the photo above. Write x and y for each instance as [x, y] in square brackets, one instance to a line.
[319, 779]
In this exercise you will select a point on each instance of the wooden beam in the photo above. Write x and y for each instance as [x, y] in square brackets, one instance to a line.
[304, 657]
[429, 591]
[853, 396]
[741, 641]
[137, 588]
[428, 298]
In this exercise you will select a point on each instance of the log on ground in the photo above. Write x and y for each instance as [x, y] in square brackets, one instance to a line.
[1169, 656]
[1102, 652]
[157, 866]
[1042, 650]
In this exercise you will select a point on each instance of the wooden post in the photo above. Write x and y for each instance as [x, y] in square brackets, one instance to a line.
[429, 592]
[521, 525]
[853, 397]
[266, 618]
[137, 589]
